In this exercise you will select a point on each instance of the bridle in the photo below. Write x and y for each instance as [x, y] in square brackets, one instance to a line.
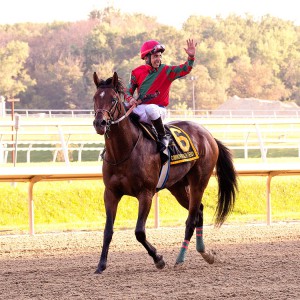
[110, 112]
[111, 121]
[113, 109]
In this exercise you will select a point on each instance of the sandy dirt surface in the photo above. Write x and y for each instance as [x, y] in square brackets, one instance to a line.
[252, 262]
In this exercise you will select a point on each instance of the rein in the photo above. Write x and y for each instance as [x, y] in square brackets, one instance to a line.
[129, 111]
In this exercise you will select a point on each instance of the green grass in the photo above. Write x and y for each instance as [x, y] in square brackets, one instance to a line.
[78, 205]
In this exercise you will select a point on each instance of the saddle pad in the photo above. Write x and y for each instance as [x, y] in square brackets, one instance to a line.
[183, 149]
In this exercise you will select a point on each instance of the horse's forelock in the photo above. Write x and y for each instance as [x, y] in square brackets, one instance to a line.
[108, 83]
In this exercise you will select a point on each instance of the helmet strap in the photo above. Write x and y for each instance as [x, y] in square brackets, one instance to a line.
[148, 59]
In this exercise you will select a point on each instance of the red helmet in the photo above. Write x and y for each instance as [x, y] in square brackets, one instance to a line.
[152, 47]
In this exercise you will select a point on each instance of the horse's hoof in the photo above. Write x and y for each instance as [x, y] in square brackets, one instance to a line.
[209, 257]
[160, 263]
[178, 265]
[99, 271]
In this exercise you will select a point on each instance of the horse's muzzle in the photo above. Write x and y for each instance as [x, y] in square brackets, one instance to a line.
[100, 126]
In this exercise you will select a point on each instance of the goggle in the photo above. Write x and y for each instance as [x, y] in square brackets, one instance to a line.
[157, 48]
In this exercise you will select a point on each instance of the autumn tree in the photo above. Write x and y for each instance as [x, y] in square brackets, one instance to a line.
[13, 75]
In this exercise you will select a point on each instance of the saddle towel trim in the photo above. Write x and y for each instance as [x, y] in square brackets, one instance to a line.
[164, 172]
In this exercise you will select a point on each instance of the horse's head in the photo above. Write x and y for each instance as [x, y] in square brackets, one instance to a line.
[107, 102]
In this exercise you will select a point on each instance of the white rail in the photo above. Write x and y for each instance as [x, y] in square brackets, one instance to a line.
[71, 134]
[65, 136]
[203, 113]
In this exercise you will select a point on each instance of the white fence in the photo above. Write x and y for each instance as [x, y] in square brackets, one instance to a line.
[249, 113]
[49, 135]
[78, 135]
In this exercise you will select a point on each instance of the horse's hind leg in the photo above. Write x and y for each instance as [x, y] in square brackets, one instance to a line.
[140, 232]
[182, 193]
[208, 257]
[195, 220]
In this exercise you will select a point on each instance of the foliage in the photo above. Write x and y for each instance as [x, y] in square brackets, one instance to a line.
[13, 75]
[51, 65]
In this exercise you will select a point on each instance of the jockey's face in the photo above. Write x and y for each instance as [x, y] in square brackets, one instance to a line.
[156, 59]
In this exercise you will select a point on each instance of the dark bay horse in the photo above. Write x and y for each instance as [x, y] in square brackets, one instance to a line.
[131, 166]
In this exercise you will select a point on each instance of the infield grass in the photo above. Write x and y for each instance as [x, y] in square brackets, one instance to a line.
[78, 205]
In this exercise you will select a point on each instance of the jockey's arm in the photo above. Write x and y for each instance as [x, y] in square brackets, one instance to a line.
[129, 92]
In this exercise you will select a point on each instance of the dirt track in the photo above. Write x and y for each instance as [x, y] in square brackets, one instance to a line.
[253, 262]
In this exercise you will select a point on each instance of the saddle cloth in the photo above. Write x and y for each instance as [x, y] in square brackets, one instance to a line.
[181, 147]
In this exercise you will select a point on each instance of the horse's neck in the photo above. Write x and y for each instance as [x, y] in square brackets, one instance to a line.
[121, 140]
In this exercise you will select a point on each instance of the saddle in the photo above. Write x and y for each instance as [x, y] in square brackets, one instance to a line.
[181, 148]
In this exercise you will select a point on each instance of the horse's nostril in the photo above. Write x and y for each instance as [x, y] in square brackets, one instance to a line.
[98, 123]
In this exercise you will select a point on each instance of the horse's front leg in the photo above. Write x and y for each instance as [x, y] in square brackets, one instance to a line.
[140, 232]
[189, 231]
[111, 202]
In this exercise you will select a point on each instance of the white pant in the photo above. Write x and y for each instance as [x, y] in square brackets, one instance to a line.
[148, 112]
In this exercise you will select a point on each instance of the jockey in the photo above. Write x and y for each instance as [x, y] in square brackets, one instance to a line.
[154, 78]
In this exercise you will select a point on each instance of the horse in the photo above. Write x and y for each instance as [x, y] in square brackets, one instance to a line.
[131, 166]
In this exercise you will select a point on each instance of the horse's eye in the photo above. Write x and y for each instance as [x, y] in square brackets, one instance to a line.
[114, 100]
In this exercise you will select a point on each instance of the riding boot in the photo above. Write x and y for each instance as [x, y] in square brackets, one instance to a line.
[163, 139]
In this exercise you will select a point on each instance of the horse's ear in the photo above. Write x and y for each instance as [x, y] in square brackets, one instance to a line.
[115, 80]
[96, 79]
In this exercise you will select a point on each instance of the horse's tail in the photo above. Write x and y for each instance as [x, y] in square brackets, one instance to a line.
[227, 179]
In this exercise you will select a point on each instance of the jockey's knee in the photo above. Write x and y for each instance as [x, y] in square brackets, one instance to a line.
[152, 111]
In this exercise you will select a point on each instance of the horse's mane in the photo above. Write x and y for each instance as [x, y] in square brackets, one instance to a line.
[108, 84]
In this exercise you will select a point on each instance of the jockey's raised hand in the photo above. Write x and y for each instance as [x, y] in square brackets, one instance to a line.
[191, 48]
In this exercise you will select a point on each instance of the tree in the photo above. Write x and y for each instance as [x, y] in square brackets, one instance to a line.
[13, 75]
[255, 80]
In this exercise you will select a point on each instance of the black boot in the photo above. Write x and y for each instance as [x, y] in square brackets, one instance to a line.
[161, 133]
